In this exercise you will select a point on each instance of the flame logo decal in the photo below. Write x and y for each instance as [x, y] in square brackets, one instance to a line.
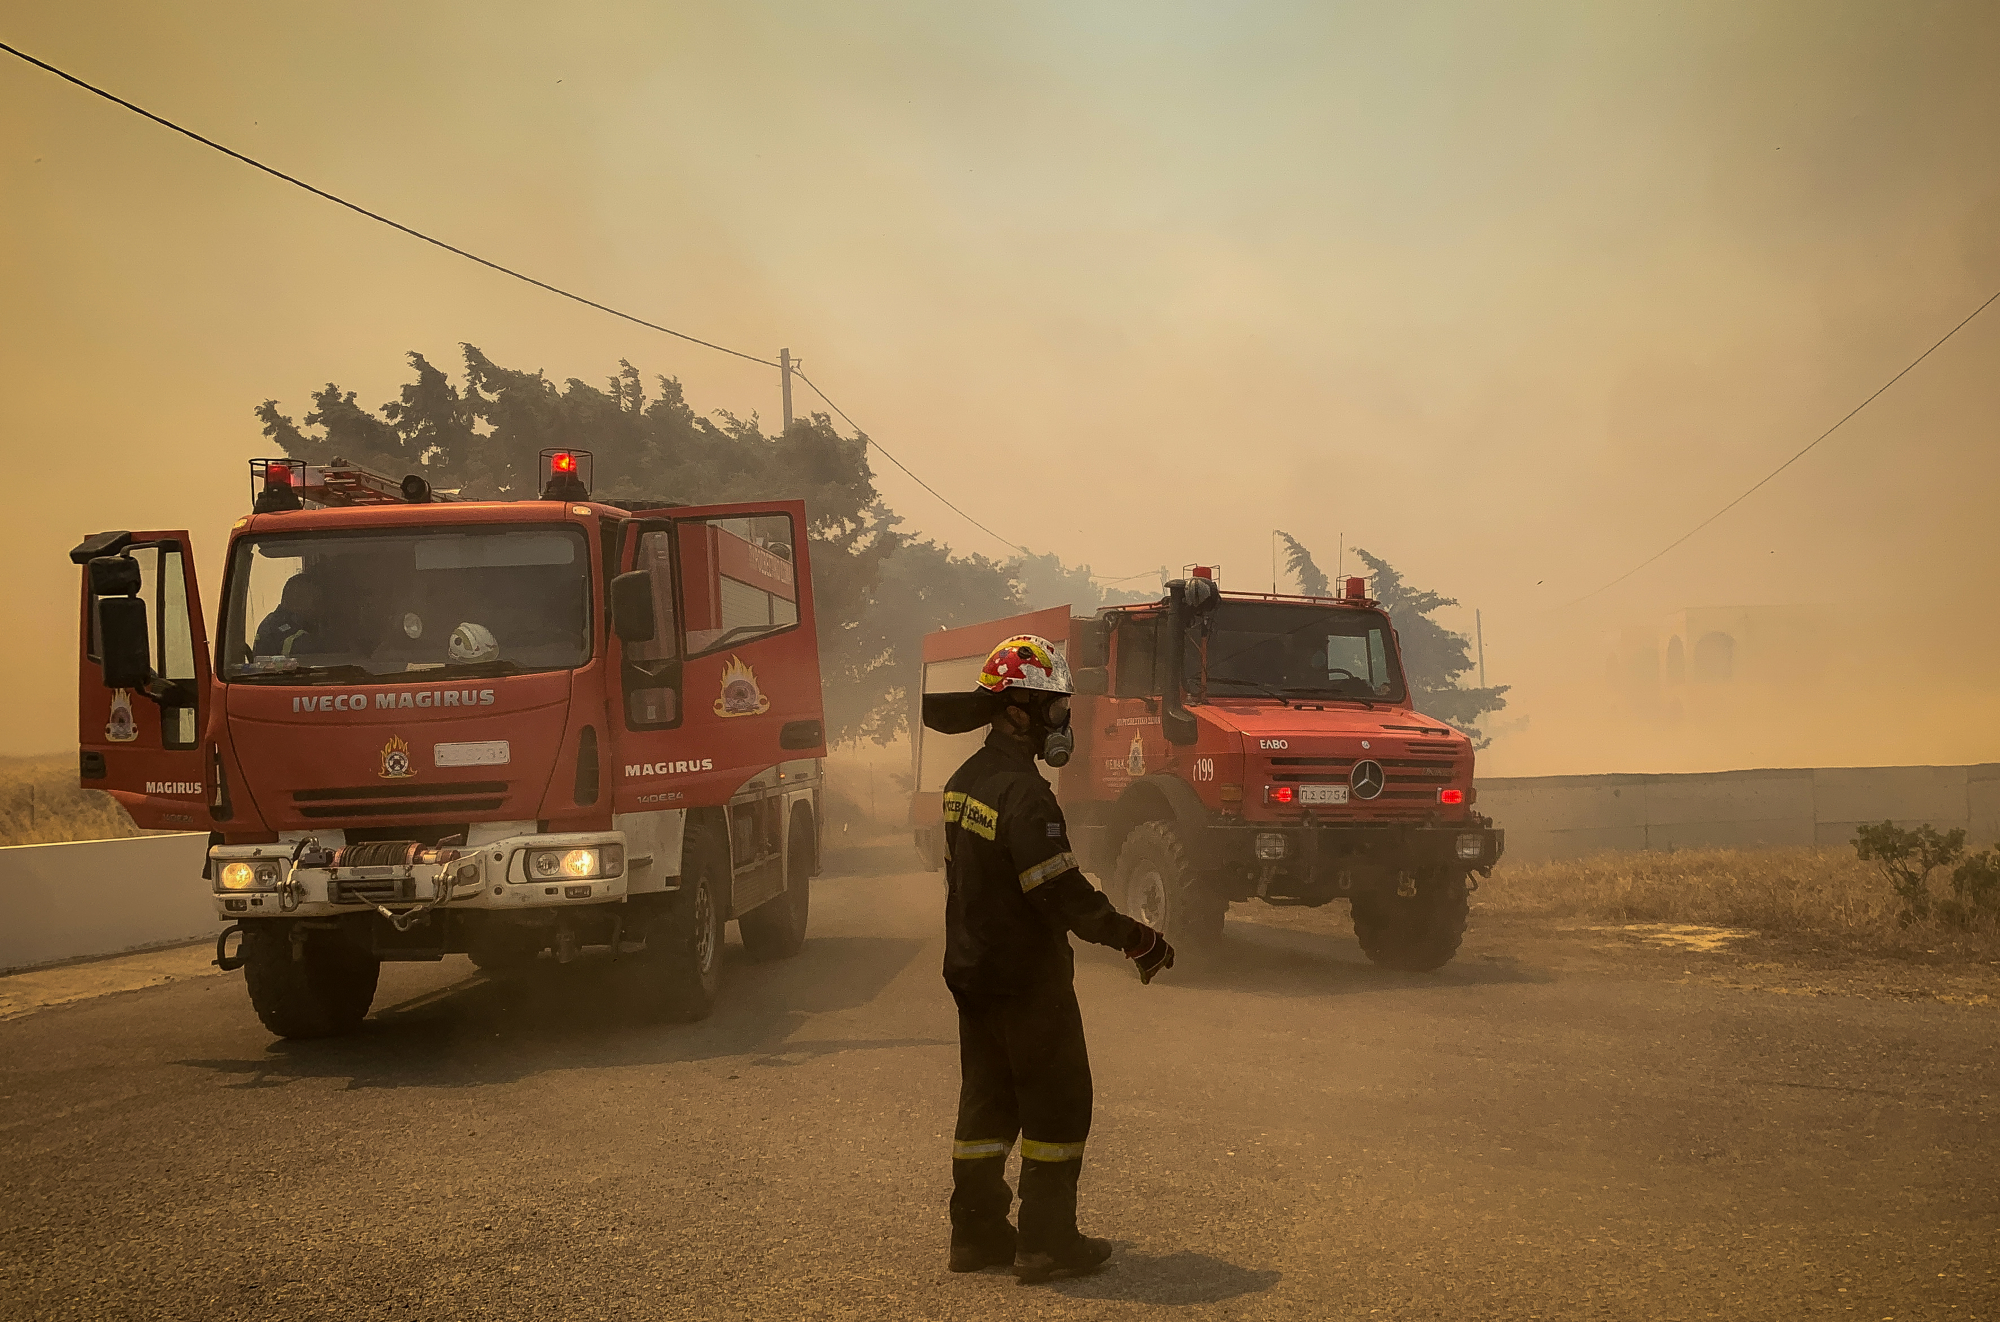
[740, 694]
[395, 759]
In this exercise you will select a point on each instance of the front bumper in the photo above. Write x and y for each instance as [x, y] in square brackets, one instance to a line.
[1312, 846]
[490, 876]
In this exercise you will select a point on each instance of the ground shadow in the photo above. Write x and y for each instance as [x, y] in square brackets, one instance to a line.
[1275, 961]
[1167, 1279]
[590, 1014]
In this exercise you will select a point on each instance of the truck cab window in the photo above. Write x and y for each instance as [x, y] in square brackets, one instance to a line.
[334, 606]
[737, 580]
[1135, 673]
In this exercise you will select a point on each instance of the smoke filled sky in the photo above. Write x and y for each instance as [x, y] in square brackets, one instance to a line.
[1512, 295]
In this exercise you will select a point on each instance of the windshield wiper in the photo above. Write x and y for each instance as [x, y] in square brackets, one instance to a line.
[1259, 685]
[312, 673]
[471, 669]
[1309, 692]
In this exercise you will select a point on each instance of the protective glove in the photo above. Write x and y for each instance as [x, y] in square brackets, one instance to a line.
[1149, 952]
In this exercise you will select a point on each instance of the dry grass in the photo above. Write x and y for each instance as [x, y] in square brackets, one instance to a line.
[1825, 894]
[41, 803]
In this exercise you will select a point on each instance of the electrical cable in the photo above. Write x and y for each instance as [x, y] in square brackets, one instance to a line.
[906, 469]
[376, 216]
[1794, 459]
[474, 257]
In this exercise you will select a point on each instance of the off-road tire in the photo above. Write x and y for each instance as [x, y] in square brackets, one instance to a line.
[1415, 935]
[682, 962]
[1156, 884]
[324, 993]
[776, 929]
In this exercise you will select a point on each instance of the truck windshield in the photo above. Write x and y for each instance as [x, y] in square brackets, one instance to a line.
[1285, 650]
[334, 607]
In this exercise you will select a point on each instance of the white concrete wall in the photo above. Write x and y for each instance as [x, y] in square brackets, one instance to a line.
[100, 897]
[1565, 816]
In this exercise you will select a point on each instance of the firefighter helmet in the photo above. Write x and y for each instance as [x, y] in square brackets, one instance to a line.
[1026, 662]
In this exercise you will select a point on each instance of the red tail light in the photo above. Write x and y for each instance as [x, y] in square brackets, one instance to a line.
[1451, 796]
[1280, 794]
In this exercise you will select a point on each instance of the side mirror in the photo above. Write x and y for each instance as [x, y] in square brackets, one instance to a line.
[632, 606]
[1091, 681]
[1179, 726]
[123, 643]
[1202, 596]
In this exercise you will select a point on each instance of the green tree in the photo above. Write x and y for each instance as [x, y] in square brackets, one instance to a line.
[1299, 564]
[877, 589]
[1434, 658]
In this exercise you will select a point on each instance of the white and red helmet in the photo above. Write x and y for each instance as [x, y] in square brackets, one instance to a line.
[1026, 662]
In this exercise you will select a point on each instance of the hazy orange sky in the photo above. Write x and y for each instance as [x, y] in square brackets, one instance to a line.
[1512, 295]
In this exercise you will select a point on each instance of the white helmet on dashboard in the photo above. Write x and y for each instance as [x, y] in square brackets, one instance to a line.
[473, 642]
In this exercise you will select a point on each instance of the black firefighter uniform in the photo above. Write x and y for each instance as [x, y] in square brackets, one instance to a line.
[1015, 894]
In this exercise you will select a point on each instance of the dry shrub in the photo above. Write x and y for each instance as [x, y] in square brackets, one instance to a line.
[41, 803]
[1825, 893]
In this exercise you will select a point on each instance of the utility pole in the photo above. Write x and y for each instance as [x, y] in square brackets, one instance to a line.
[785, 365]
[1479, 631]
[1274, 562]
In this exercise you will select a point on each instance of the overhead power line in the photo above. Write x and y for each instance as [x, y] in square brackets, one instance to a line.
[906, 468]
[557, 290]
[1795, 458]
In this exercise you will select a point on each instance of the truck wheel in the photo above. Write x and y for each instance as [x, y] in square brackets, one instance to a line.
[683, 956]
[1162, 889]
[324, 993]
[1417, 934]
[776, 929]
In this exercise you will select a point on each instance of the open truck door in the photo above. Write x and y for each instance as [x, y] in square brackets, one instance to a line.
[143, 680]
[718, 653]
[952, 659]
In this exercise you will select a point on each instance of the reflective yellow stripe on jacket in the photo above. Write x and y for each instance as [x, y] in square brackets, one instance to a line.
[979, 818]
[1046, 869]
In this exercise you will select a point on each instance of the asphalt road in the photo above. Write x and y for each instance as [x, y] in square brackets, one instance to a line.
[1298, 1136]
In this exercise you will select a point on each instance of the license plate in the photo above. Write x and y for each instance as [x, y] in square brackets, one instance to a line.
[1322, 794]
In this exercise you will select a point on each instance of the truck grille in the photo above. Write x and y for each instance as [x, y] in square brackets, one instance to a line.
[371, 890]
[1334, 770]
[467, 796]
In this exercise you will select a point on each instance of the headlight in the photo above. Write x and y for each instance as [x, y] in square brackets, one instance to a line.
[576, 864]
[1270, 844]
[242, 875]
[1471, 846]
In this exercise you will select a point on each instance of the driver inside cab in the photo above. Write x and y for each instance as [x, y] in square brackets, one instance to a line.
[298, 624]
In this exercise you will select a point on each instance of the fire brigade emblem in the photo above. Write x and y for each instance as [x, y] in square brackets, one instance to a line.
[395, 759]
[740, 694]
[121, 729]
[1135, 760]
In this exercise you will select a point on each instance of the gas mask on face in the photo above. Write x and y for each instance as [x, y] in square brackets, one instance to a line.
[1058, 740]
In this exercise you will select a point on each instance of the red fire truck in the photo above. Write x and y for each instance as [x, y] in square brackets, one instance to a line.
[429, 725]
[1236, 746]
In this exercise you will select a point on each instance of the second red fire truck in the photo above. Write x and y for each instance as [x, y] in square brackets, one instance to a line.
[1244, 746]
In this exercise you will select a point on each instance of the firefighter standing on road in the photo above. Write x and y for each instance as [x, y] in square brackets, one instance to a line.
[1015, 894]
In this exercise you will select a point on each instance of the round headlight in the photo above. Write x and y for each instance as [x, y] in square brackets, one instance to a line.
[547, 863]
[580, 863]
[238, 877]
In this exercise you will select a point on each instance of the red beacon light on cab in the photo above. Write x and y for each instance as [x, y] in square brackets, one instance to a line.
[566, 474]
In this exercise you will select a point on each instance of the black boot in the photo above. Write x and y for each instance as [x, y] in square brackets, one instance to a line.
[980, 1234]
[1049, 1240]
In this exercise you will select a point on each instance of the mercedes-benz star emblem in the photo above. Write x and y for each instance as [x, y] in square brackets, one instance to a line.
[1366, 778]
